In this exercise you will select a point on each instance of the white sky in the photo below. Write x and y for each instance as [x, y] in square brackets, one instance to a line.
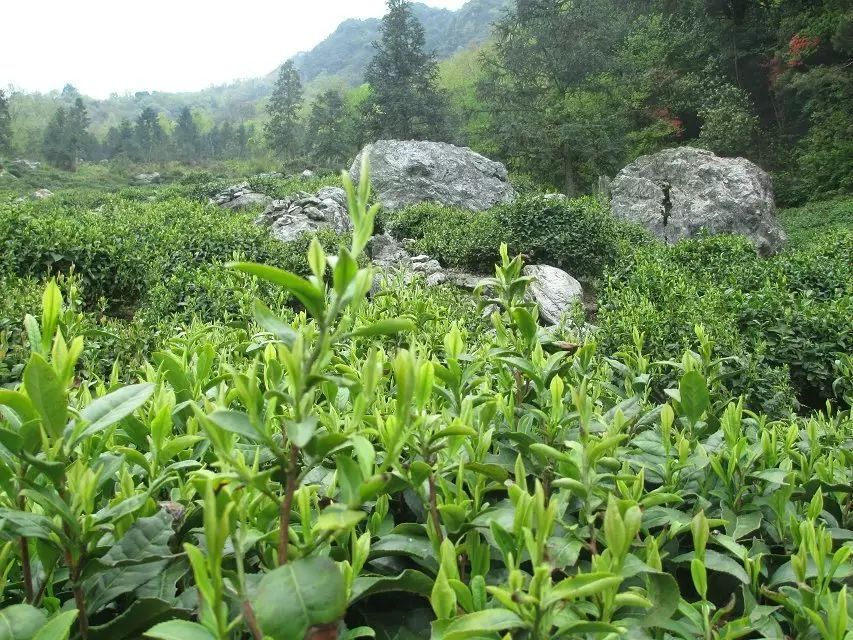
[105, 46]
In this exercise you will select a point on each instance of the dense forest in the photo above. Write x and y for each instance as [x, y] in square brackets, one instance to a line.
[526, 321]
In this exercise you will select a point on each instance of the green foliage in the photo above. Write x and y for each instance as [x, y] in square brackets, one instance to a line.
[5, 125]
[786, 316]
[808, 224]
[578, 235]
[405, 101]
[347, 468]
[282, 131]
[66, 136]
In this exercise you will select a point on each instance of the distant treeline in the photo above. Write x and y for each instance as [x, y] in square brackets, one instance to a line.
[564, 92]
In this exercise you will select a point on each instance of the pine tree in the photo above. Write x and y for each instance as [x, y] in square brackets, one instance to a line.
[5, 125]
[185, 136]
[56, 146]
[328, 130]
[282, 130]
[66, 137]
[405, 100]
[149, 137]
[78, 134]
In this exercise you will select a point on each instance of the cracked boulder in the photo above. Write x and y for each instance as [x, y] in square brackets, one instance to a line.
[678, 193]
[404, 173]
[306, 213]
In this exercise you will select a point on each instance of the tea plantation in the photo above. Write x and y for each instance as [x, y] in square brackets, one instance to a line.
[208, 434]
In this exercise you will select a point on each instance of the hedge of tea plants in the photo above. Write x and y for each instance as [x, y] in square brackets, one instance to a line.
[343, 472]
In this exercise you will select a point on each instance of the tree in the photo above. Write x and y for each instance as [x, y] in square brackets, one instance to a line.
[282, 129]
[149, 137]
[5, 125]
[185, 136]
[56, 147]
[548, 87]
[120, 140]
[66, 137]
[405, 100]
[328, 132]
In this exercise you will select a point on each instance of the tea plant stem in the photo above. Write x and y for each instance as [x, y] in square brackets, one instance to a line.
[251, 622]
[79, 598]
[26, 568]
[287, 505]
[433, 509]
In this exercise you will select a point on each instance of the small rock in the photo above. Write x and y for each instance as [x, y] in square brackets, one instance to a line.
[420, 258]
[307, 174]
[428, 267]
[314, 213]
[439, 277]
[147, 178]
[553, 290]
[41, 194]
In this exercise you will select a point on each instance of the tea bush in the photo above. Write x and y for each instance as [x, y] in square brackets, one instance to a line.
[396, 469]
[788, 315]
[578, 235]
[809, 223]
[341, 475]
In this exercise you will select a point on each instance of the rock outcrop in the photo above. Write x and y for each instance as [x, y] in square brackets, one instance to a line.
[147, 178]
[407, 172]
[239, 196]
[678, 192]
[304, 213]
[553, 290]
[41, 194]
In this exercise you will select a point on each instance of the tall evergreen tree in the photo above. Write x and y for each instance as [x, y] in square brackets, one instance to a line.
[66, 137]
[78, 134]
[5, 125]
[328, 132]
[282, 130]
[185, 136]
[405, 100]
[149, 137]
[56, 147]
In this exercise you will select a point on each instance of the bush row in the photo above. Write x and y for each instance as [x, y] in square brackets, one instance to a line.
[580, 236]
[778, 320]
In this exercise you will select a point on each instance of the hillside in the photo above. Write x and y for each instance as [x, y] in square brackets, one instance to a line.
[340, 59]
[347, 52]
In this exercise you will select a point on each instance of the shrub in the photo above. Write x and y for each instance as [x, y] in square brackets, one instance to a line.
[811, 222]
[785, 314]
[579, 235]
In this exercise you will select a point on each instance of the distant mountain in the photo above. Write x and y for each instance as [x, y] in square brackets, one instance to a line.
[347, 52]
[338, 61]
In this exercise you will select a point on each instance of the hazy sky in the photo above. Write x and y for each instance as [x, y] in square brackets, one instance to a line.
[105, 46]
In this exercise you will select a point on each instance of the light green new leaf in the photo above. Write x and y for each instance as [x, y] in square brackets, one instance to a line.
[113, 407]
[581, 586]
[695, 398]
[386, 327]
[179, 630]
[313, 299]
[475, 624]
[235, 422]
[57, 628]
[46, 393]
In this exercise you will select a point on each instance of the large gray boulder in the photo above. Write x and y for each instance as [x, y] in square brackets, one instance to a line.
[239, 196]
[678, 192]
[553, 290]
[407, 172]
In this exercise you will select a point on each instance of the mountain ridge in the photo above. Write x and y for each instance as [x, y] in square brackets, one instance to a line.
[337, 61]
